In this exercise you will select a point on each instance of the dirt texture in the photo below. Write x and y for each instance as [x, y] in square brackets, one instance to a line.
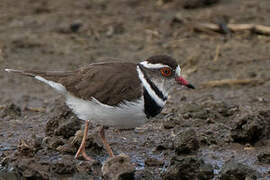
[118, 167]
[220, 130]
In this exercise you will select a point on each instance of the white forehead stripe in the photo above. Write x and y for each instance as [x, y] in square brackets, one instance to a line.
[178, 71]
[148, 88]
[146, 64]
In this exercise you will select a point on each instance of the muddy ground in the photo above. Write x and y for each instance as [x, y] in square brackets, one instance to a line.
[213, 132]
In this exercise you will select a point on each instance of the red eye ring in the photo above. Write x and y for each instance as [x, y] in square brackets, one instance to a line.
[166, 71]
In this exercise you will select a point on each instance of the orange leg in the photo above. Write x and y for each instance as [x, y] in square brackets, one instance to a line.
[82, 146]
[106, 144]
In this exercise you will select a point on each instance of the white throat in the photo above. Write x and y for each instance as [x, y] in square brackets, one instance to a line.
[150, 91]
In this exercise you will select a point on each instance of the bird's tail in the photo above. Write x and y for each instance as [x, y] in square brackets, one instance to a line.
[48, 77]
[27, 73]
[52, 75]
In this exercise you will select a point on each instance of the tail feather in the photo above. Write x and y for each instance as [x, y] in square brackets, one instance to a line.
[45, 74]
[20, 72]
[48, 77]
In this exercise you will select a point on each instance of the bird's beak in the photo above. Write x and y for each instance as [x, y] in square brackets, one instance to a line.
[180, 80]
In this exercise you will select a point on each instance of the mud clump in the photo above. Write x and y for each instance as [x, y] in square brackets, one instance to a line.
[118, 168]
[39, 158]
[264, 157]
[172, 121]
[186, 142]
[63, 124]
[55, 165]
[102, 31]
[10, 176]
[92, 144]
[210, 119]
[29, 147]
[65, 165]
[195, 111]
[153, 162]
[188, 167]
[11, 111]
[64, 135]
[68, 128]
[233, 170]
[53, 142]
[144, 174]
[252, 128]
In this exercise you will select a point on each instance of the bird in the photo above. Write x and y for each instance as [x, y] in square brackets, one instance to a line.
[123, 95]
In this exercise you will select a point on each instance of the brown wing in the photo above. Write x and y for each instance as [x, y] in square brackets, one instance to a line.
[110, 83]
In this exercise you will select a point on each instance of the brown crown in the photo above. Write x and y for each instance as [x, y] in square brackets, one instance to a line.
[163, 59]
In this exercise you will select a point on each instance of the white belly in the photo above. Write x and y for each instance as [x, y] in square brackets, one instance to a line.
[126, 115]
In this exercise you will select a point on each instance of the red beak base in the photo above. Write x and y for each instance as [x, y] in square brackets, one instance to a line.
[183, 82]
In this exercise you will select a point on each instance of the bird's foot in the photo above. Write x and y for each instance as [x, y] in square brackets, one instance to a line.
[81, 150]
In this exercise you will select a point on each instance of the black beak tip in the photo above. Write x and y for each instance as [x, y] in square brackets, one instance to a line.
[190, 86]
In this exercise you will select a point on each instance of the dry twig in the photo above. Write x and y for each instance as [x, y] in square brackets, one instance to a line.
[260, 29]
[232, 82]
[217, 53]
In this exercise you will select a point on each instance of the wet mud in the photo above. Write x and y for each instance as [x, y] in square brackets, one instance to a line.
[218, 131]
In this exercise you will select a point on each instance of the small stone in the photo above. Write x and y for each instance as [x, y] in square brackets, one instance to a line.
[74, 27]
[118, 168]
[178, 19]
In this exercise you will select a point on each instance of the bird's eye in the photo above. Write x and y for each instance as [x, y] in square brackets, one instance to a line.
[166, 71]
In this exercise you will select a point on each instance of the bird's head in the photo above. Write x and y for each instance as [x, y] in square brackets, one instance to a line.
[163, 71]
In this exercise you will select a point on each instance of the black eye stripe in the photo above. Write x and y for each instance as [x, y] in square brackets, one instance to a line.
[152, 85]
